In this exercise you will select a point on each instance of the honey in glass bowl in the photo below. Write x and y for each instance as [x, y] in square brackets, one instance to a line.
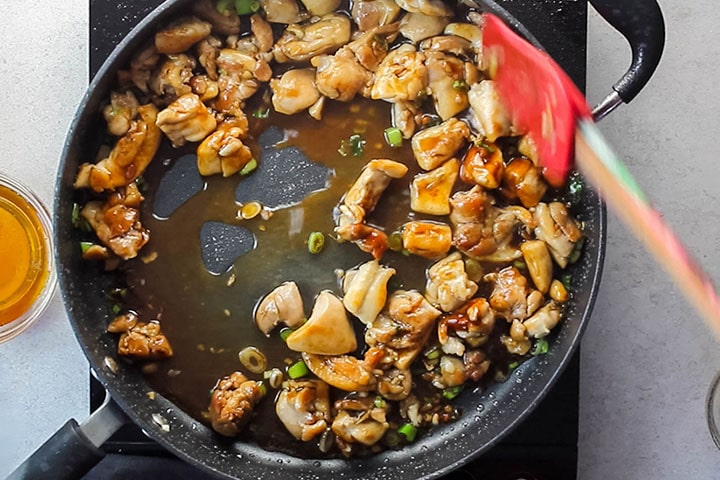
[27, 268]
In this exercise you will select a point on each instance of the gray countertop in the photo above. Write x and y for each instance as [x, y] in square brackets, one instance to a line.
[646, 358]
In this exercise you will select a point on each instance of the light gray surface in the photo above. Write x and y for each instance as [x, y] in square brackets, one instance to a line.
[647, 359]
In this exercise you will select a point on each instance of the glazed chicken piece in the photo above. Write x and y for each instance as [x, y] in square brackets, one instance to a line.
[186, 119]
[204, 87]
[490, 114]
[558, 230]
[340, 76]
[226, 22]
[365, 290]
[542, 321]
[434, 8]
[435, 145]
[512, 298]
[427, 239]
[232, 403]
[469, 326]
[120, 112]
[404, 116]
[483, 165]
[172, 79]
[303, 406]
[371, 47]
[368, 239]
[430, 191]
[118, 227]
[238, 65]
[454, 371]
[232, 94]
[223, 152]
[470, 32]
[448, 286]
[369, 14]
[129, 157]
[320, 7]
[144, 341]
[181, 35]
[345, 372]
[294, 91]
[283, 305]
[417, 26]
[401, 76]
[328, 331]
[359, 420]
[524, 181]
[262, 33]
[446, 79]
[281, 11]
[208, 51]
[323, 35]
[141, 68]
[402, 328]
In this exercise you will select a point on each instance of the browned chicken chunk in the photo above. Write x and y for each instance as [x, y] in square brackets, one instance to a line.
[140, 340]
[304, 408]
[232, 403]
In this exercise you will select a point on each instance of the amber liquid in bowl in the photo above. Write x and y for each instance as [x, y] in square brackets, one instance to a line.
[24, 255]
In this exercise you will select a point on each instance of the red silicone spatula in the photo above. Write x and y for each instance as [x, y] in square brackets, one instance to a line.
[545, 103]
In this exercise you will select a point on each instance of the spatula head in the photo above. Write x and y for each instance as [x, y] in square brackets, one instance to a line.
[542, 100]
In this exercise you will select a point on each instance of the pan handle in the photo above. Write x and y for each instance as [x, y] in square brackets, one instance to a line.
[74, 449]
[641, 23]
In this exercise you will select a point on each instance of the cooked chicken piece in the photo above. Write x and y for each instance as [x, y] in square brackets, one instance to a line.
[208, 51]
[452, 44]
[283, 305]
[232, 95]
[328, 331]
[223, 152]
[359, 420]
[172, 79]
[523, 180]
[417, 26]
[369, 14]
[186, 119]
[128, 159]
[371, 47]
[430, 191]
[470, 325]
[435, 145]
[401, 76]
[120, 113]
[452, 372]
[294, 91]
[395, 384]
[232, 403]
[483, 165]
[316, 109]
[226, 22]
[471, 33]
[527, 148]
[402, 328]
[366, 290]
[542, 321]
[557, 229]
[320, 7]
[281, 11]
[262, 33]
[517, 342]
[128, 196]
[369, 239]
[490, 114]
[476, 364]
[512, 298]
[448, 286]
[364, 194]
[403, 117]
[340, 76]
[427, 239]
[204, 87]
[303, 406]
[181, 35]
[301, 42]
[118, 227]
[142, 67]
[483, 231]
[539, 264]
[141, 340]
[123, 323]
[435, 8]
[238, 65]
[345, 372]
[446, 79]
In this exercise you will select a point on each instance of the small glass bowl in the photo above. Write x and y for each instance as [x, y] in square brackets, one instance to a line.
[29, 300]
[713, 409]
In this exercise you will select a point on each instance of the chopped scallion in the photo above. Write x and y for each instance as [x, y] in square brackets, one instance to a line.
[285, 333]
[540, 347]
[577, 251]
[298, 370]
[85, 246]
[260, 113]
[451, 392]
[519, 264]
[116, 308]
[433, 353]
[245, 7]
[460, 85]
[263, 389]
[393, 136]
[249, 167]
[566, 279]
[395, 242]
[224, 5]
[409, 431]
[379, 402]
[315, 242]
[357, 144]
[513, 365]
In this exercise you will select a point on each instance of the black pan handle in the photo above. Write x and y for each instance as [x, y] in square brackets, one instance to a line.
[641, 23]
[74, 449]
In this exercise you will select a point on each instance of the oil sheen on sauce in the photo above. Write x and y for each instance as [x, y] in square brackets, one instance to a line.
[23, 256]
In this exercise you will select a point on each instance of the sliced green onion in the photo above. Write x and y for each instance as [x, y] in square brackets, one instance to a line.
[285, 333]
[460, 85]
[473, 269]
[519, 264]
[395, 242]
[357, 144]
[409, 431]
[245, 7]
[577, 251]
[249, 167]
[263, 389]
[452, 392]
[224, 5]
[513, 365]
[259, 113]
[433, 353]
[315, 242]
[379, 402]
[253, 359]
[540, 347]
[85, 246]
[393, 136]
[566, 279]
[298, 370]
[78, 221]
[116, 309]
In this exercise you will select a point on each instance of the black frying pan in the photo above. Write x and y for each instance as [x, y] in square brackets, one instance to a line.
[487, 417]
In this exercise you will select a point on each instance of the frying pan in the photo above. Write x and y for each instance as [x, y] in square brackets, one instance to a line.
[486, 417]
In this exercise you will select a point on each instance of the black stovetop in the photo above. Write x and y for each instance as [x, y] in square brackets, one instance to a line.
[544, 446]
